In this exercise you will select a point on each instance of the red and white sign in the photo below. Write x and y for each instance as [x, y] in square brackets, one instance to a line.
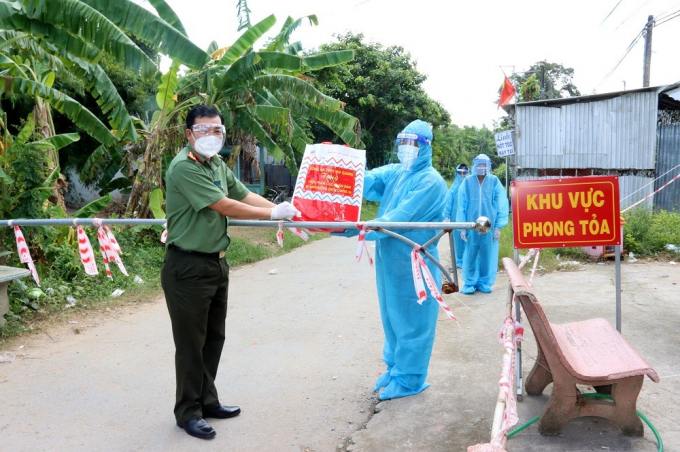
[566, 212]
[330, 184]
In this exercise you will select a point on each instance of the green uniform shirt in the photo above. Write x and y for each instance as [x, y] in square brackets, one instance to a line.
[191, 186]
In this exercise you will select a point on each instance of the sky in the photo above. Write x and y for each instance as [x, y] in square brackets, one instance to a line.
[465, 47]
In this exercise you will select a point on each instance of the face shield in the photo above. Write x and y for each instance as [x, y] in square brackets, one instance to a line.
[407, 145]
[462, 171]
[482, 165]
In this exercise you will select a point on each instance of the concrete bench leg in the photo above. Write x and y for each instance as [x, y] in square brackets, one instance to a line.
[540, 376]
[625, 394]
[4, 302]
[564, 406]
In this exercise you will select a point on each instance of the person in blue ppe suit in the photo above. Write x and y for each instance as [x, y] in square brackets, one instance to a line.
[481, 194]
[410, 191]
[450, 211]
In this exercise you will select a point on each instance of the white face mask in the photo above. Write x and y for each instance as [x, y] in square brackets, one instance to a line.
[407, 155]
[481, 170]
[208, 146]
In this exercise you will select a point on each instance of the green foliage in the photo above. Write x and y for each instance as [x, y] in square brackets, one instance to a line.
[530, 89]
[369, 210]
[25, 166]
[647, 232]
[553, 80]
[453, 145]
[382, 88]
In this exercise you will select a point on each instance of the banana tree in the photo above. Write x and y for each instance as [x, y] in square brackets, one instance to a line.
[260, 94]
[43, 39]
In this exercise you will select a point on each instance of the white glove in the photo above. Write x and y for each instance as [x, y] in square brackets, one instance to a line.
[463, 235]
[283, 211]
[446, 220]
[496, 234]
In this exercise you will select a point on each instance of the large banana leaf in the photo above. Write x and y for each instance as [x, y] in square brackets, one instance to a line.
[60, 141]
[12, 19]
[327, 59]
[5, 178]
[301, 89]
[250, 125]
[165, 98]
[100, 86]
[151, 29]
[66, 22]
[246, 68]
[281, 40]
[93, 207]
[246, 40]
[79, 115]
[156, 204]
[167, 14]
[344, 125]
[271, 115]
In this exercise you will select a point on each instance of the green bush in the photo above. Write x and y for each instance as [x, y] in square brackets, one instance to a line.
[647, 232]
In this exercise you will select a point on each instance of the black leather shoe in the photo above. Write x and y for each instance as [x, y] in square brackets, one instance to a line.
[198, 427]
[222, 412]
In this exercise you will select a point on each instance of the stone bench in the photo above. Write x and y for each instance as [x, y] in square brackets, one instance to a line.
[589, 353]
[7, 275]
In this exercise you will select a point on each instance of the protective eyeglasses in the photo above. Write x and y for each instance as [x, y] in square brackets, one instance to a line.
[462, 171]
[212, 129]
[411, 139]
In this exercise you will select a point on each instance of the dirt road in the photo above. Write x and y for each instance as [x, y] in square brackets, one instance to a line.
[302, 354]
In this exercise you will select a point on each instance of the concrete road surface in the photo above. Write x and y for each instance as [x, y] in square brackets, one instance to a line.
[302, 354]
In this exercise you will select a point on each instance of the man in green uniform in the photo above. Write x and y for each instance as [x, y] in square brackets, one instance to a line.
[201, 192]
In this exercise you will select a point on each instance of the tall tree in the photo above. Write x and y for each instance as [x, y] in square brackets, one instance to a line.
[382, 88]
[554, 82]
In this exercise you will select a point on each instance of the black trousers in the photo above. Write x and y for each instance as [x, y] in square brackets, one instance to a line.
[196, 294]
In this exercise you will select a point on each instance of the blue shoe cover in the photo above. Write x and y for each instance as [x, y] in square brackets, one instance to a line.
[467, 290]
[382, 381]
[394, 390]
[484, 288]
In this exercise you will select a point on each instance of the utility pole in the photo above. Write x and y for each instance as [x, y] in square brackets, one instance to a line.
[648, 51]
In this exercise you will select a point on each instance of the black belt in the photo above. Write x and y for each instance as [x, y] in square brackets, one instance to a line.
[218, 255]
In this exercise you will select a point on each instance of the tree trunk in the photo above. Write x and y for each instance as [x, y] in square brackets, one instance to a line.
[45, 129]
[148, 176]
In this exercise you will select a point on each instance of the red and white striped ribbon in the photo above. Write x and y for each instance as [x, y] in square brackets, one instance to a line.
[279, 234]
[24, 254]
[109, 247]
[420, 272]
[652, 194]
[361, 245]
[86, 252]
[510, 417]
[302, 233]
[533, 270]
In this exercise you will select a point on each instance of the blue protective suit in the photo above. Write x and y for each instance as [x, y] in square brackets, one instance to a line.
[450, 212]
[475, 199]
[414, 195]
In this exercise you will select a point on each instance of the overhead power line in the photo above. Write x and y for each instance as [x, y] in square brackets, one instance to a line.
[666, 18]
[630, 47]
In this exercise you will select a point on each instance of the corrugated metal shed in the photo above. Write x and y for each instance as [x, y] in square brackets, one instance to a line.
[618, 133]
[611, 133]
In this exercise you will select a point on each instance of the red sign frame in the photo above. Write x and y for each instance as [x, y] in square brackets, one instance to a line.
[566, 212]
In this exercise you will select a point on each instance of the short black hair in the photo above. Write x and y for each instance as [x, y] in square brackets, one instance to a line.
[203, 111]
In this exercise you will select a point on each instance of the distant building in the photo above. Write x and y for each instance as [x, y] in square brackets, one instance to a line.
[634, 134]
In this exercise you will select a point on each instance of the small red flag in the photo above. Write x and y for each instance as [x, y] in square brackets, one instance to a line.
[507, 92]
